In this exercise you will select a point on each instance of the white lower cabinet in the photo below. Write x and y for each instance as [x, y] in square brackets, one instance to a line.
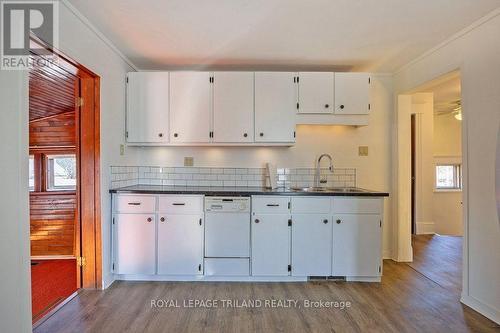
[357, 245]
[180, 244]
[134, 243]
[270, 244]
[311, 245]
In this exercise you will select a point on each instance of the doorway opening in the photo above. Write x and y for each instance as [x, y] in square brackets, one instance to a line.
[64, 182]
[434, 116]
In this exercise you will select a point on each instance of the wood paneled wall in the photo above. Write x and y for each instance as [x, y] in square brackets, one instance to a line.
[52, 223]
[56, 131]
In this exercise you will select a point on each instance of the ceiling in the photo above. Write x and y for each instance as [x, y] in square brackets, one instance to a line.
[365, 35]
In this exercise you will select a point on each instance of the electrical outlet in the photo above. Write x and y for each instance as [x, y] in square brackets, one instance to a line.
[188, 161]
[122, 150]
[363, 151]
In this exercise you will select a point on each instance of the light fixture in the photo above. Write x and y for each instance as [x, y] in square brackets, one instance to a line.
[458, 116]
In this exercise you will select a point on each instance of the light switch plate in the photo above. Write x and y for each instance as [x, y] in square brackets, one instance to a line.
[363, 150]
[188, 161]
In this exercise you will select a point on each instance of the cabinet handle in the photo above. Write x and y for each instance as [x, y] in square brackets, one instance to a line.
[339, 221]
[245, 135]
[179, 204]
[162, 219]
[272, 205]
[160, 135]
[261, 134]
[149, 219]
[327, 106]
[134, 203]
[176, 135]
[257, 220]
[325, 221]
[342, 106]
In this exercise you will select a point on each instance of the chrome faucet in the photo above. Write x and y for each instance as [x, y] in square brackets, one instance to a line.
[317, 176]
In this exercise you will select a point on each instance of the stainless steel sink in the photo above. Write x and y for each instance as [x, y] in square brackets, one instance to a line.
[327, 189]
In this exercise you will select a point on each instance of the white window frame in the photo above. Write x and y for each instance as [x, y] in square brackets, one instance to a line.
[50, 175]
[457, 173]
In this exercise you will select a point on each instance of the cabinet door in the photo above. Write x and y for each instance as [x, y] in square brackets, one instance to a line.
[270, 245]
[180, 244]
[352, 93]
[233, 107]
[316, 92]
[190, 107]
[356, 245]
[311, 245]
[147, 107]
[135, 243]
[275, 106]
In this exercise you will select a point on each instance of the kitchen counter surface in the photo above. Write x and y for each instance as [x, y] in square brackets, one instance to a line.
[243, 191]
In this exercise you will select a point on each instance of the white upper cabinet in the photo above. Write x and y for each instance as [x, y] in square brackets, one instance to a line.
[147, 107]
[316, 92]
[233, 107]
[352, 93]
[275, 106]
[190, 107]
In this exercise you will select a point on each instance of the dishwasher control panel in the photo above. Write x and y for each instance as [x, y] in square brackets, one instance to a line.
[227, 204]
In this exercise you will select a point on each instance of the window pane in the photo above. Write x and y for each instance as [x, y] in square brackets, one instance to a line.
[448, 177]
[31, 179]
[62, 172]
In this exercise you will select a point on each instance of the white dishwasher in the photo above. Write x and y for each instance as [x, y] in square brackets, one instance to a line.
[227, 236]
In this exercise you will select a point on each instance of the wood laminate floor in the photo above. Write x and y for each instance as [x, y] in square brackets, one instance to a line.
[407, 300]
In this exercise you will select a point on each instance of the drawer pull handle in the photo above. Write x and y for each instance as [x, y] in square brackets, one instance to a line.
[339, 221]
[325, 221]
[273, 205]
[179, 204]
[134, 203]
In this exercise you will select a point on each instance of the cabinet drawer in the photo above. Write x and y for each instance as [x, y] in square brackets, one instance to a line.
[270, 204]
[357, 205]
[180, 204]
[227, 266]
[313, 205]
[134, 203]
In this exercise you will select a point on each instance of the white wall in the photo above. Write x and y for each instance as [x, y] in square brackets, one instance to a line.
[373, 171]
[477, 54]
[447, 146]
[15, 289]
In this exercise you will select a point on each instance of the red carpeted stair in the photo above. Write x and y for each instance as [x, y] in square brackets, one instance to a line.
[52, 281]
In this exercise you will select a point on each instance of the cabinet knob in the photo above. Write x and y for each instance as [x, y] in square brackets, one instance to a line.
[327, 106]
[162, 219]
[257, 220]
[176, 135]
[342, 106]
[245, 135]
[149, 219]
[261, 134]
[325, 221]
[160, 135]
[339, 221]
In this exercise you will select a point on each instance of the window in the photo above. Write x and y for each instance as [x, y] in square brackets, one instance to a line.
[448, 177]
[61, 172]
[31, 167]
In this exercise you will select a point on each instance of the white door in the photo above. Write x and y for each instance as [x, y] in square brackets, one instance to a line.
[180, 244]
[356, 245]
[352, 93]
[316, 92]
[275, 106]
[270, 245]
[135, 243]
[190, 107]
[311, 245]
[233, 107]
[147, 107]
[227, 235]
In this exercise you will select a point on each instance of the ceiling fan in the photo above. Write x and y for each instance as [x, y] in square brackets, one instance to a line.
[453, 107]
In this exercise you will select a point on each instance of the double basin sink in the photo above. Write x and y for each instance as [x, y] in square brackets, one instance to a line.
[328, 189]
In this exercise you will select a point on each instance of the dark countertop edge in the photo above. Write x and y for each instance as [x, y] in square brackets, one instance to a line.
[239, 193]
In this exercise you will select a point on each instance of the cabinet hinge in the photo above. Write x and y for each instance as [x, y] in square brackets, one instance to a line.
[294, 79]
[210, 134]
[369, 80]
[79, 102]
[369, 106]
[379, 269]
[290, 222]
[381, 223]
[113, 220]
[298, 79]
[199, 267]
[297, 106]
[81, 261]
[126, 134]
[113, 267]
[294, 134]
[288, 204]
[289, 268]
[126, 80]
[200, 221]
[211, 79]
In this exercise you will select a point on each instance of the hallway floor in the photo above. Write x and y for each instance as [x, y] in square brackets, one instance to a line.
[410, 298]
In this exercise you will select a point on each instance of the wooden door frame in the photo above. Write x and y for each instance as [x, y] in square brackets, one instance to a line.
[88, 148]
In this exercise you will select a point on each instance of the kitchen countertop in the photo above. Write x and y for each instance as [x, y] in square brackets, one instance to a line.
[243, 191]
